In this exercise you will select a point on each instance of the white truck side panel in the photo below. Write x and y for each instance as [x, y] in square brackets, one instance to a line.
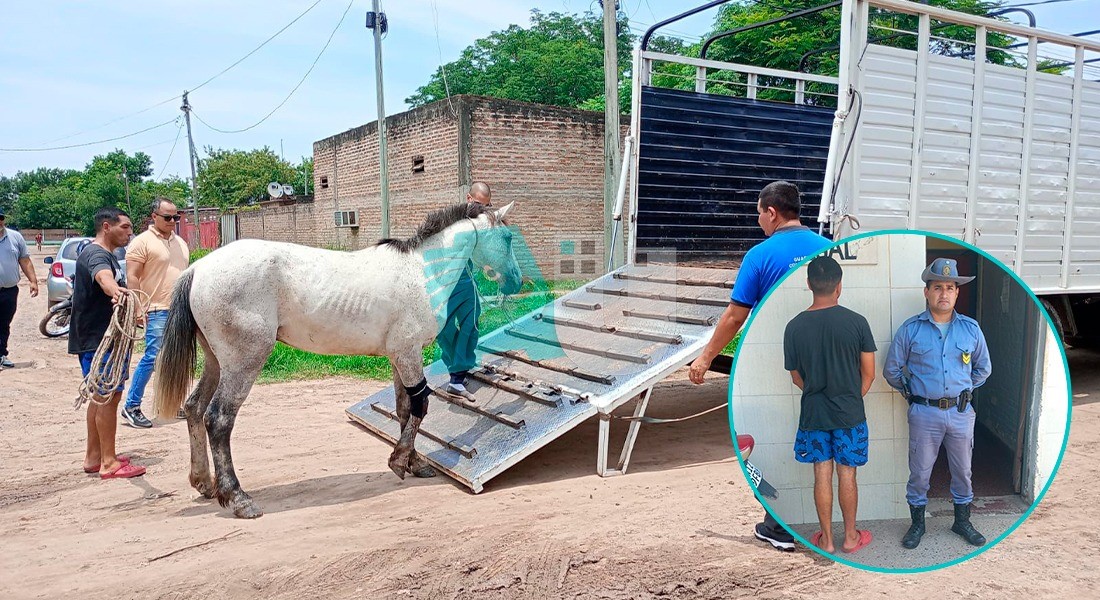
[889, 145]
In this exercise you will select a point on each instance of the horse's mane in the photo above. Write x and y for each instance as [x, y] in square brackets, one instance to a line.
[437, 221]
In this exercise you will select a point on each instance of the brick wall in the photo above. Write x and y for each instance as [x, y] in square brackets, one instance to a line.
[548, 159]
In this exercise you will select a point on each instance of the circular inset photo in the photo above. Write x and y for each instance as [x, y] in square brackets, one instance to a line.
[907, 400]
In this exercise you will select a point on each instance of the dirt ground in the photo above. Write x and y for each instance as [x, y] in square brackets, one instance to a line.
[340, 524]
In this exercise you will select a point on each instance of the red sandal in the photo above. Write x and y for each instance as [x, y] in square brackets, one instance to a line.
[122, 459]
[124, 472]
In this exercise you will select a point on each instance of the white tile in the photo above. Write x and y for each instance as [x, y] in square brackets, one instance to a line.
[809, 508]
[777, 463]
[907, 260]
[880, 416]
[880, 464]
[769, 419]
[759, 371]
[878, 501]
[904, 303]
[901, 506]
[879, 384]
[869, 302]
[770, 320]
[788, 505]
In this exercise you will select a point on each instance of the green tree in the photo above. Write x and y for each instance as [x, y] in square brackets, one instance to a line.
[231, 178]
[11, 188]
[557, 60]
[783, 45]
[304, 177]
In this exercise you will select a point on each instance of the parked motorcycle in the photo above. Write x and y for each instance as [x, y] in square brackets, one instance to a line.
[56, 321]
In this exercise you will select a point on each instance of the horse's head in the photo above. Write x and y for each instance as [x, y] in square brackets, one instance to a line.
[493, 250]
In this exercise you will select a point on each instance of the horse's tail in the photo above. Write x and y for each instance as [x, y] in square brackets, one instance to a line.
[177, 358]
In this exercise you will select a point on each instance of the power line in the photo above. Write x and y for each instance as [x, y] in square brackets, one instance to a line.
[121, 137]
[294, 89]
[439, 47]
[163, 167]
[112, 121]
[177, 96]
[1036, 3]
[257, 48]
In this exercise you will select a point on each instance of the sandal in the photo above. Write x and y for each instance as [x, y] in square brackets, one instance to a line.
[122, 459]
[126, 471]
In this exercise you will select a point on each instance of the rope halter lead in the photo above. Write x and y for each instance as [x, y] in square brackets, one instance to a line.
[111, 362]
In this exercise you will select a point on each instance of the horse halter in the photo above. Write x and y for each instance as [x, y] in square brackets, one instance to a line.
[495, 277]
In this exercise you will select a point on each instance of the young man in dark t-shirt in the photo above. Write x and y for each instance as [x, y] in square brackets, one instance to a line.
[830, 353]
[98, 285]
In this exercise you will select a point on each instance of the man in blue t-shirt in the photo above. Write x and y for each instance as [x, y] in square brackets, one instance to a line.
[764, 265]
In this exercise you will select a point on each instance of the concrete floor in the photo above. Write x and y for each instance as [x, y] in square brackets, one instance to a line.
[991, 516]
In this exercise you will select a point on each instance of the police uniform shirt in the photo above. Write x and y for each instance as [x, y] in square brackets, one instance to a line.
[940, 365]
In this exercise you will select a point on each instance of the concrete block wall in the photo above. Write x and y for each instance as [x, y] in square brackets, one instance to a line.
[881, 282]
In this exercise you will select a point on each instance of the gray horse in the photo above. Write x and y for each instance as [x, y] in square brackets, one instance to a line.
[386, 300]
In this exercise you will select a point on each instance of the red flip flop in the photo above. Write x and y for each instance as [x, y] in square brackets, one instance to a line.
[122, 459]
[815, 539]
[124, 472]
[865, 538]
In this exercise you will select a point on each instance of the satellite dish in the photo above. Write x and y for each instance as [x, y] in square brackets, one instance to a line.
[288, 189]
[274, 189]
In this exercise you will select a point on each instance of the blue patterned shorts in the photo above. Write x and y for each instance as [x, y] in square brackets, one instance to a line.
[846, 446]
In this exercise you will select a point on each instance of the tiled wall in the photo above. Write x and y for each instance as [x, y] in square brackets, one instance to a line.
[882, 283]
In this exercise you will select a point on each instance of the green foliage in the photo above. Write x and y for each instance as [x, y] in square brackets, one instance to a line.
[557, 60]
[783, 45]
[198, 253]
[230, 178]
[67, 199]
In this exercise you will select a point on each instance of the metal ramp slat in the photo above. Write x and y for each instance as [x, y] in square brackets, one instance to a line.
[522, 406]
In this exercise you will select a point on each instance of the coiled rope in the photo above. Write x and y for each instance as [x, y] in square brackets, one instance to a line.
[111, 362]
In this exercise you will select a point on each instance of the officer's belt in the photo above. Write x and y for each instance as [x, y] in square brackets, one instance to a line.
[942, 403]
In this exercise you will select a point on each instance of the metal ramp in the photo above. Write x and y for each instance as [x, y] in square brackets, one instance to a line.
[587, 353]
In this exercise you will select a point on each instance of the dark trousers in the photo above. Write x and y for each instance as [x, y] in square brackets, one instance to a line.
[775, 530]
[8, 299]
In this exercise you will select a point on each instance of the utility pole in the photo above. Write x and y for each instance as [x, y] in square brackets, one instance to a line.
[611, 158]
[186, 108]
[376, 20]
[126, 181]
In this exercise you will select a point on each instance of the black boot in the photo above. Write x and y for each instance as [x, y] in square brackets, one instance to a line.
[916, 530]
[964, 528]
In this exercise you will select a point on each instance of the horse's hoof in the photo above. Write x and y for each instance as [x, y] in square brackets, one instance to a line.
[420, 467]
[247, 510]
[425, 471]
[398, 468]
[204, 486]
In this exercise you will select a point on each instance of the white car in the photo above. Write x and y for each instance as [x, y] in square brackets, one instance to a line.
[63, 266]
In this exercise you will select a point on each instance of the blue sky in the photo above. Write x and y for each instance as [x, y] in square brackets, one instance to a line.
[69, 67]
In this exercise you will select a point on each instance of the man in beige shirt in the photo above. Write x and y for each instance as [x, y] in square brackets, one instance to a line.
[154, 260]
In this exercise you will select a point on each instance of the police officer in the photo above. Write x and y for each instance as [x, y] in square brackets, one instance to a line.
[936, 360]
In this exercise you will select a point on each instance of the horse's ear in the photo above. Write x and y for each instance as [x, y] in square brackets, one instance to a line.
[503, 212]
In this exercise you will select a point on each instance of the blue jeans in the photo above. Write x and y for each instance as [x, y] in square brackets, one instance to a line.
[154, 333]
